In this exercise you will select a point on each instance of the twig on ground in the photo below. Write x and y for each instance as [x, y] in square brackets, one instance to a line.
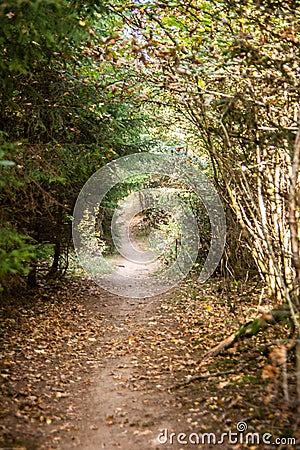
[202, 376]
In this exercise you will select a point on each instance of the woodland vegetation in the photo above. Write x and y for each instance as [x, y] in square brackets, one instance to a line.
[83, 83]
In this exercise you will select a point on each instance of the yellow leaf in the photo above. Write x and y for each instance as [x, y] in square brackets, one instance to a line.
[110, 420]
[223, 384]
[269, 371]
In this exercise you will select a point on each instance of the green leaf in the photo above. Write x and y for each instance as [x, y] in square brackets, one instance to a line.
[6, 163]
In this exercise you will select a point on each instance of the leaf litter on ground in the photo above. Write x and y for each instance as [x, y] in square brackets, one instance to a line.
[56, 338]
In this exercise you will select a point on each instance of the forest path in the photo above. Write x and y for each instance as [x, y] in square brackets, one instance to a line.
[122, 408]
[138, 389]
[89, 370]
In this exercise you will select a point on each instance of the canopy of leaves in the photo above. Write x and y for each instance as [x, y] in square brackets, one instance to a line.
[232, 70]
[60, 117]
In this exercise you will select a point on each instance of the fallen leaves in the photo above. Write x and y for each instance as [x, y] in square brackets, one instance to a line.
[54, 343]
[110, 420]
[269, 372]
[278, 355]
[47, 349]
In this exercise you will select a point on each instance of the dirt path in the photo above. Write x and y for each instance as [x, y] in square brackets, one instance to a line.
[85, 369]
[123, 409]
[136, 274]
[132, 399]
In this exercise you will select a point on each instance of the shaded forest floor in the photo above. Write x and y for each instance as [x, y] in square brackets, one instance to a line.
[82, 368]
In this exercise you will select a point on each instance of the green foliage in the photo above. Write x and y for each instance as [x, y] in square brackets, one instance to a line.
[5, 162]
[31, 31]
[231, 69]
[87, 82]
[15, 252]
[60, 118]
[35, 33]
[121, 190]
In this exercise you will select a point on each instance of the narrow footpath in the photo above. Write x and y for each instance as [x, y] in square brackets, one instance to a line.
[85, 369]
